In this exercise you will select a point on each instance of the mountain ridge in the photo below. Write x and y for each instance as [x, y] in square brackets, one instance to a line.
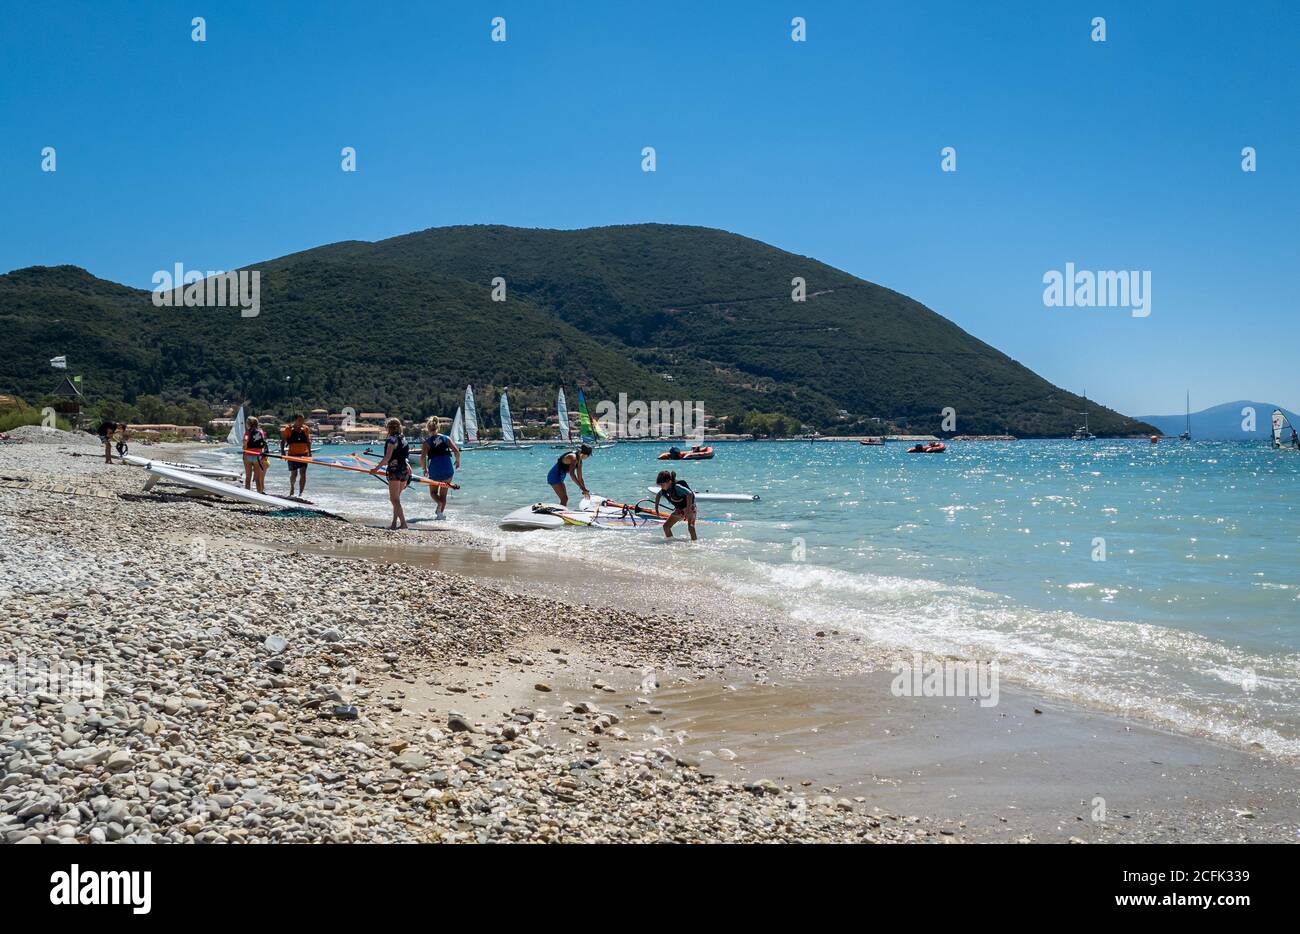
[399, 323]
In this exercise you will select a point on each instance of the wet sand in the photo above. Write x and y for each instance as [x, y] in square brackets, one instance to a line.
[1027, 769]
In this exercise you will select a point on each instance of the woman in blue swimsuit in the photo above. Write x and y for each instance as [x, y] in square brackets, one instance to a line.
[436, 456]
[566, 464]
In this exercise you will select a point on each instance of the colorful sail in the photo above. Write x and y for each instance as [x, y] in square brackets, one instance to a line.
[584, 419]
[564, 416]
[458, 429]
[237, 430]
[507, 426]
[1277, 428]
[471, 416]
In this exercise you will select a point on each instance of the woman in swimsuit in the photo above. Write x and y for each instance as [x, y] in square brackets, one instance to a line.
[397, 468]
[566, 464]
[254, 455]
[436, 456]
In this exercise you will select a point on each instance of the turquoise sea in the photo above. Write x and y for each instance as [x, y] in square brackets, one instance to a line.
[991, 551]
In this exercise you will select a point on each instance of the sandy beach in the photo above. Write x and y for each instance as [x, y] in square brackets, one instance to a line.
[272, 678]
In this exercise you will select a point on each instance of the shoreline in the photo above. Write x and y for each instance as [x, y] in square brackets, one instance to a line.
[180, 597]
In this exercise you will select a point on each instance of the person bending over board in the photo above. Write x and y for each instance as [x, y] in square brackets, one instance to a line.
[436, 455]
[255, 459]
[295, 440]
[682, 498]
[566, 465]
[397, 468]
[106, 432]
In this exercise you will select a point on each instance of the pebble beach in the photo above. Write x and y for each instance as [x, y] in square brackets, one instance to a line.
[256, 688]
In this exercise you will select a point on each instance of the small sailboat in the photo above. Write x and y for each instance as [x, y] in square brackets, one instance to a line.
[563, 411]
[1187, 430]
[471, 417]
[237, 430]
[508, 441]
[592, 433]
[1082, 433]
[458, 429]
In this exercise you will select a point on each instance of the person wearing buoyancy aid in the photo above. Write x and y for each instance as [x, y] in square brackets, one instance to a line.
[295, 440]
[436, 456]
[681, 496]
[397, 468]
[565, 465]
[254, 455]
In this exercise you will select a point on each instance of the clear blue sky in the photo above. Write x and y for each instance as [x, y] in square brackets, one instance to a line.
[1123, 155]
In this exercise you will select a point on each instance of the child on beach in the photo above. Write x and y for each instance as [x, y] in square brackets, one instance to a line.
[682, 498]
[566, 464]
[436, 456]
[255, 459]
[106, 431]
[397, 468]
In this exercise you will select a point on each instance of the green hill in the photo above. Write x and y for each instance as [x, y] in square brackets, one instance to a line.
[402, 325]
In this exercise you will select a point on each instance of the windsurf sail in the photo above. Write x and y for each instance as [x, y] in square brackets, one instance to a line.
[471, 416]
[507, 426]
[588, 426]
[236, 435]
[458, 429]
[564, 416]
[1277, 428]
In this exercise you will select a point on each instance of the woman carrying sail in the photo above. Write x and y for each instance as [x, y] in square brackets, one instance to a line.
[682, 498]
[255, 459]
[397, 468]
[436, 454]
[566, 464]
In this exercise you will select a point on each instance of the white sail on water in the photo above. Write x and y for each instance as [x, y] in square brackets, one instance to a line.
[458, 429]
[564, 416]
[471, 416]
[236, 436]
[507, 426]
[1277, 428]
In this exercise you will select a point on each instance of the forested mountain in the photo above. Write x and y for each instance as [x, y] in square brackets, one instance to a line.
[401, 326]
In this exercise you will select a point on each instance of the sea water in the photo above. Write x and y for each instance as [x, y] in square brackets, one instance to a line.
[1160, 581]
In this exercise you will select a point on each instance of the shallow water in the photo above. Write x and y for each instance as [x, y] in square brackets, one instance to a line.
[992, 550]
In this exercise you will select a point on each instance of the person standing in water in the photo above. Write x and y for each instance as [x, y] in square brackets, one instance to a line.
[397, 468]
[436, 456]
[682, 498]
[295, 440]
[254, 455]
[566, 465]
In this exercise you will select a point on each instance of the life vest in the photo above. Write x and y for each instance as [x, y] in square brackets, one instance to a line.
[439, 446]
[679, 500]
[298, 439]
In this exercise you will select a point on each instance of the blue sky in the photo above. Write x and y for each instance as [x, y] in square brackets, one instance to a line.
[1122, 155]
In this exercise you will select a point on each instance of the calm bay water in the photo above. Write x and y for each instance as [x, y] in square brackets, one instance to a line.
[987, 551]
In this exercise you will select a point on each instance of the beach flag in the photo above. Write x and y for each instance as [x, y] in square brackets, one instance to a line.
[77, 380]
[59, 363]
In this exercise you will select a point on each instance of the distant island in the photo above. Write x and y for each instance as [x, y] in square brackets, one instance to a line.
[655, 311]
[1227, 422]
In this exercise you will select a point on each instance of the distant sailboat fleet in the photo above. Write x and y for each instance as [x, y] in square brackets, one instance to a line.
[465, 427]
